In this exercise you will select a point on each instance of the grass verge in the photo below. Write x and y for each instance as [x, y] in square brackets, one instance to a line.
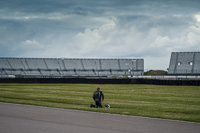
[168, 102]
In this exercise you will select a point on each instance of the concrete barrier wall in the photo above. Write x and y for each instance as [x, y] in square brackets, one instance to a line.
[66, 80]
[168, 82]
[100, 81]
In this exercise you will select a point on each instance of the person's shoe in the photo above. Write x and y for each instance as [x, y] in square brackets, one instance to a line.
[91, 105]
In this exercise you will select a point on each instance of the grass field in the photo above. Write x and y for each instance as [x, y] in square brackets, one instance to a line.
[168, 102]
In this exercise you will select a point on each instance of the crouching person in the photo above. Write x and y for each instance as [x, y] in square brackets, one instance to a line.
[98, 96]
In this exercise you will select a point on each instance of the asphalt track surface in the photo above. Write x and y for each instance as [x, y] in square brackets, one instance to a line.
[16, 118]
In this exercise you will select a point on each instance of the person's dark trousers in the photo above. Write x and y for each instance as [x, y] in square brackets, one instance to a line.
[98, 103]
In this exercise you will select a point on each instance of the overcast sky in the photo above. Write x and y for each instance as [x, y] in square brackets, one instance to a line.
[147, 29]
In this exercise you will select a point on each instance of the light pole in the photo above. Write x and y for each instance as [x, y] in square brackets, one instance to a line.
[128, 67]
[134, 66]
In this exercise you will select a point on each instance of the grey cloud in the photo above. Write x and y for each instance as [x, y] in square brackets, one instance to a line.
[98, 28]
[36, 6]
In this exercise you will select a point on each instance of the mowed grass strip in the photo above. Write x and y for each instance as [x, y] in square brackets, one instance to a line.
[168, 102]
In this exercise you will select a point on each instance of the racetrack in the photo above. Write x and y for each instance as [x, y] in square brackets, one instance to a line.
[16, 118]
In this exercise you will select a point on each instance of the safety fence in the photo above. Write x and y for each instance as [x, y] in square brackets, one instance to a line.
[100, 81]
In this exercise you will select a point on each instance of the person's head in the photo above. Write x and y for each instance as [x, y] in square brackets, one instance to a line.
[98, 88]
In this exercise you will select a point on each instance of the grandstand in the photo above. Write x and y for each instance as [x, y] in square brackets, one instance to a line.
[69, 67]
[184, 63]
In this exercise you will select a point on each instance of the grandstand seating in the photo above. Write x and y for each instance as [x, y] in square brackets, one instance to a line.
[196, 68]
[36, 64]
[4, 63]
[184, 63]
[53, 63]
[109, 64]
[18, 64]
[66, 67]
[73, 64]
[90, 64]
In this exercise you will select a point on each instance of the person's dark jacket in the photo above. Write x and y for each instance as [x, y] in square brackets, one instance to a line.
[98, 95]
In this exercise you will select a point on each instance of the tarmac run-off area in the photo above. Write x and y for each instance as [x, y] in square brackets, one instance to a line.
[16, 118]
